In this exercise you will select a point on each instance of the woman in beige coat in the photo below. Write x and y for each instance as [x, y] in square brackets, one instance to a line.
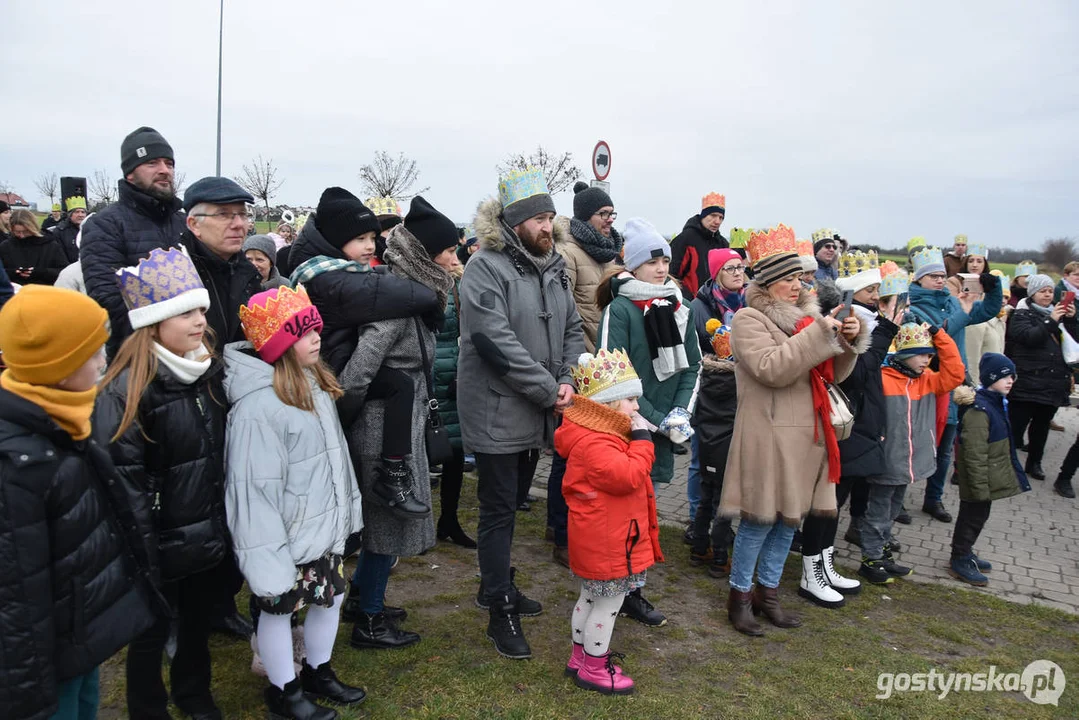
[779, 467]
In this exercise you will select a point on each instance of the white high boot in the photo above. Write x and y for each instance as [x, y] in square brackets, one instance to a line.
[833, 578]
[814, 587]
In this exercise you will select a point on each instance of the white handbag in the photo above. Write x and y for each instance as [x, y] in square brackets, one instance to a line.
[842, 418]
[1069, 347]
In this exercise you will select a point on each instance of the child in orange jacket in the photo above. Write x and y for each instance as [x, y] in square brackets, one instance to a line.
[613, 529]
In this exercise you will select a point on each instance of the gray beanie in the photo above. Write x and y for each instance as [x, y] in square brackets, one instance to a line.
[264, 244]
[1038, 282]
[643, 242]
[142, 146]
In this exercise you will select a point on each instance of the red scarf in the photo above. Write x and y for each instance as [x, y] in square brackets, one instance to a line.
[818, 376]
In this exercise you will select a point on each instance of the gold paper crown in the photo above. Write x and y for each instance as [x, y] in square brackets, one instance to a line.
[824, 234]
[740, 236]
[766, 243]
[853, 263]
[383, 206]
[916, 242]
[261, 322]
[961, 238]
[76, 202]
[713, 199]
[913, 337]
[595, 373]
[804, 248]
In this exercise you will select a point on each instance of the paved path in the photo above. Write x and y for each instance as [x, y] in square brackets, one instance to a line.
[1032, 539]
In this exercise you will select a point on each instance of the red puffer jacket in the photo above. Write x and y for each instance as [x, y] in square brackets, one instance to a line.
[613, 529]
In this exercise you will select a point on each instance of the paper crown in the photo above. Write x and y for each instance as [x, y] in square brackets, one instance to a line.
[606, 376]
[893, 279]
[714, 199]
[739, 237]
[852, 263]
[927, 256]
[1027, 267]
[914, 339]
[721, 338]
[961, 238]
[773, 241]
[383, 206]
[980, 249]
[804, 248]
[1005, 282]
[56, 207]
[521, 184]
[915, 243]
[300, 221]
[824, 234]
[76, 202]
[161, 286]
[275, 320]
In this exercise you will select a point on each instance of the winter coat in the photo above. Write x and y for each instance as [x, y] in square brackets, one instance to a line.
[613, 527]
[954, 264]
[290, 491]
[585, 274]
[520, 334]
[1032, 342]
[70, 278]
[986, 464]
[171, 462]
[447, 350]
[231, 283]
[347, 300]
[777, 469]
[283, 261]
[48, 223]
[713, 418]
[66, 232]
[622, 327]
[706, 307]
[910, 444]
[1017, 294]
[863, 452]
[6, 291]
[44, 254]
[74, 575]
[983, 338]
[689, 255]
[119, 236]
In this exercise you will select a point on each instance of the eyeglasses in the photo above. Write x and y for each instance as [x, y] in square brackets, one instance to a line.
[735, 269]
[828, 246]
[607, 215]
[937, 276]
[226, 216]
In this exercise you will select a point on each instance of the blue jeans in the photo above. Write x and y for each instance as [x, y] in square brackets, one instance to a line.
[764, 547]
[369, 580]
[693, 485]
[78, 698]
[934, 488]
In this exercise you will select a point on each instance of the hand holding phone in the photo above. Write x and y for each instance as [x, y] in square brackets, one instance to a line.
[847, 306]
[1067, 299]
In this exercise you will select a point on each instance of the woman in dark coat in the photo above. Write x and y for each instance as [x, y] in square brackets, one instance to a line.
[29, 258]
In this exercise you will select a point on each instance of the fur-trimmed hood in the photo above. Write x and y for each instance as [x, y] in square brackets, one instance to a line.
[494, 235]
[787, 315]
[714, 364]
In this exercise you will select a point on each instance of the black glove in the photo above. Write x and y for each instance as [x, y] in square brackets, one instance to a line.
[933, 330]
[434, 319]
[353, 543]
[988, 281]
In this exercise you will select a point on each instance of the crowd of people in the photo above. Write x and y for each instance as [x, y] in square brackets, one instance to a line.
[188, 406]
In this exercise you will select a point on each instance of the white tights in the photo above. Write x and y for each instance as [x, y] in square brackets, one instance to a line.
[275, 640]
[593, 621]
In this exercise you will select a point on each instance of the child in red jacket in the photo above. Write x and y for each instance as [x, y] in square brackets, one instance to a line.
[613, 530]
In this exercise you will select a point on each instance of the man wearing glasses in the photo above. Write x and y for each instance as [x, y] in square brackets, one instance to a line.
[826, 249]
[146, 216]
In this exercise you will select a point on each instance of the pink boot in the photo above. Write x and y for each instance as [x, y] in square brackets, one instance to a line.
[575, 660]
[603, 676]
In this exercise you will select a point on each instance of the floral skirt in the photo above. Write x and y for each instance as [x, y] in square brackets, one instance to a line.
[317, 583]
[618, 586]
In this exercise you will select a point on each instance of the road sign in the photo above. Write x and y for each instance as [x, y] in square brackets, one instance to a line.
[602, 185]
[601, 160]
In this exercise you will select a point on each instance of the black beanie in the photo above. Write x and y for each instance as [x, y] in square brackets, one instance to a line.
[388, 222]
[436, 231]
[142, 146]
[341, 217]
[588, 200]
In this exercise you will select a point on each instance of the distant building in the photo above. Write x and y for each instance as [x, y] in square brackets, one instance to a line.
[15, 200]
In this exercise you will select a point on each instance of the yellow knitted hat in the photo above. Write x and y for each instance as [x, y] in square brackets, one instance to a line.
[48, 333]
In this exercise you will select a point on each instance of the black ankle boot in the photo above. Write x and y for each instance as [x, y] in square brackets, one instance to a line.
[1064, 488]
[452, 531]
[1034, 470]
[377, 631]
[393, 488]
[504, 630]
[322, 682]
[293, 704]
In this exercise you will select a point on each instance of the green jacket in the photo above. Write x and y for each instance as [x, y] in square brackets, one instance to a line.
[987, 466]
[622, 326]
[445, 369]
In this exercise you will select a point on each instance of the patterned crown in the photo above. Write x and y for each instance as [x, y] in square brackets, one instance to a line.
[714, 199]
[1027, 267]
[766, 243]
[606, 376]
[980, 249]
[740, 237]
[163, 285]
[893, 279]
[276, 319]
[853, 263]
[521, 184]
[914, 339]
[824, 234]
[804, 248]
[1005, 283]
[721, 338]
[383, 206]
[77, 202]
[961, 238]
[927, 256]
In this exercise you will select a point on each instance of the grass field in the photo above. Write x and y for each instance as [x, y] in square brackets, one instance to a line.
[695, 667]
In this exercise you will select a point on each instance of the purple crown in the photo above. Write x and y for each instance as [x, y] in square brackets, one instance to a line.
[164, 275]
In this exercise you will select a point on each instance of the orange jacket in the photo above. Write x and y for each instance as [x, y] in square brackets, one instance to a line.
[613, 528]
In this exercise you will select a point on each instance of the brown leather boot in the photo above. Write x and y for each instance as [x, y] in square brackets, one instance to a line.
[740, 612]
[766, 601]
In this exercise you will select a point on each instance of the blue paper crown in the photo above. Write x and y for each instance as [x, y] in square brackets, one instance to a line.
[927, 256]
[978, 249]
[1026, 268]
[521, 184]
[894, 284]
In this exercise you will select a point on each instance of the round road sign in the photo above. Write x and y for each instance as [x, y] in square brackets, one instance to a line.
[601, 160]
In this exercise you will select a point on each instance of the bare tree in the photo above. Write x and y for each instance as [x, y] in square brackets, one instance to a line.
[103, 187]
[558, 169]
[179, 182]
[260, 179]
[1058, 252]
[391, 177]
[47, 185]
[5, 187]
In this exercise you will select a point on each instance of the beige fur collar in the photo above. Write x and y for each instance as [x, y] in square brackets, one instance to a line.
[785, 315]
[489, 227]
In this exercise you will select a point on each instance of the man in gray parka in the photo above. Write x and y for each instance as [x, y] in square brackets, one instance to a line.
[520, 334]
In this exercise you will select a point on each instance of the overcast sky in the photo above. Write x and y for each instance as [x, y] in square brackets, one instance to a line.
[884, 120]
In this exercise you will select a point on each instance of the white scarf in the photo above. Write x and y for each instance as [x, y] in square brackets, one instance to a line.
[669, 360]
[188, 368]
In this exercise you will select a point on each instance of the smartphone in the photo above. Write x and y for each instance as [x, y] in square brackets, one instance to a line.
[1067, 299]
[847, 306]
[972, 283]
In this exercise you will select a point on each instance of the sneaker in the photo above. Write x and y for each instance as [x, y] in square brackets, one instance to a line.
[504, 630]
[873, 571]
[893, 568]
[965, 569]
[635, 607]
[983, 565]
[526, 607]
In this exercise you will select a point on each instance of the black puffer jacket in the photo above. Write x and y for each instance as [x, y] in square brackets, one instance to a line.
[120, 236]
[1032, 341]
[65, 233]
[713, 418]
[347, 300]
[43, 254]
[689, 255]
[172, 464]
[863, 452]
[231, 283]
[74, 574]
